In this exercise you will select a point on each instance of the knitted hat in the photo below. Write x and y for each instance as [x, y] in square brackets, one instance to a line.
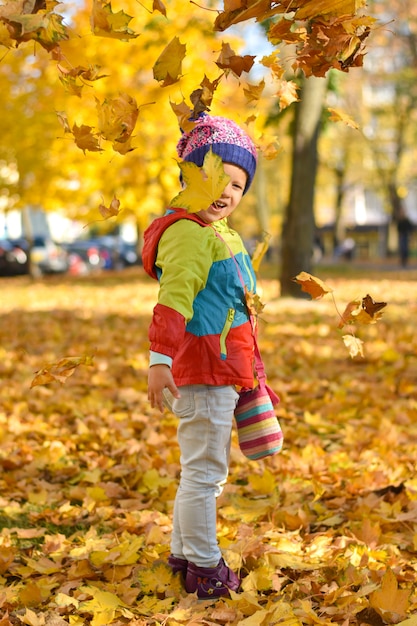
[225, 138]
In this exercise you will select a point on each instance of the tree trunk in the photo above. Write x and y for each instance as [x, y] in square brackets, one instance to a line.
[299, 226]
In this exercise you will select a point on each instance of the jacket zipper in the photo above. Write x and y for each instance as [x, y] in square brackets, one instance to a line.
[226, 328]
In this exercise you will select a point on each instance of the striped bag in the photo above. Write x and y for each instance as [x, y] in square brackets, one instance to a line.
[258, 429]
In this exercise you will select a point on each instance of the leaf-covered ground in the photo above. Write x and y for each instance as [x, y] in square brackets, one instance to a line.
[324, 533]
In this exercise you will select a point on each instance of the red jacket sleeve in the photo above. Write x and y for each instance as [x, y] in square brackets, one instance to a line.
[167, 330]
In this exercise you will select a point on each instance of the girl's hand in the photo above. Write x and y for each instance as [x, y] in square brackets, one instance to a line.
[159, 378]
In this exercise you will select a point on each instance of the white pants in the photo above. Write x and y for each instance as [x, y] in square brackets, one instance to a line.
[204, 433]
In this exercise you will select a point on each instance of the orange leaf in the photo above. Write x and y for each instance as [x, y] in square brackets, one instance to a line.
[347, 314]
[312, 285]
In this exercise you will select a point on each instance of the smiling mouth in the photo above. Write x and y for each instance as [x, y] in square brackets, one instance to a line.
[218, 206]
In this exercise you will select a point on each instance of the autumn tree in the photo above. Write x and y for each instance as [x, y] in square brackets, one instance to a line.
[299, 225]
[127, 70]
[392, 101]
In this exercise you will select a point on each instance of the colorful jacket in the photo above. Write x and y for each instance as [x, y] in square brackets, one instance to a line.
[200, 320]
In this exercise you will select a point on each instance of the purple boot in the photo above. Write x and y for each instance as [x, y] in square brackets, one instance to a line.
[178, 565]
[211, 582]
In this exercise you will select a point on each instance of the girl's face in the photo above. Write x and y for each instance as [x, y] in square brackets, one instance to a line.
[230, 197]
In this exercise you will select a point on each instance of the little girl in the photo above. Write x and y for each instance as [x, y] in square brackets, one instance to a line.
[202, 346]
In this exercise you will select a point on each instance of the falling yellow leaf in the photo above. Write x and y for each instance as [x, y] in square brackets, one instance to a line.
[286, 93]
[117, 117]
[168, 67]
[105, 23]
[260, 251]
[203, 185]
[341, 116]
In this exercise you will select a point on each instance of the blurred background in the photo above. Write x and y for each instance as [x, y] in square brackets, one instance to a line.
[365, 189]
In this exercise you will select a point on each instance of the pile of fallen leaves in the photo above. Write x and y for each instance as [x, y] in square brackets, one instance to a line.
[324, 533]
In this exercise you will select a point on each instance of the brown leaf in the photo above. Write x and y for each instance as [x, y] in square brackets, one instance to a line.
[201, 98]
[158, 5]
[365, 311]
[229, 60]
[60, 371]
[111, 211]
[85, 138]
[184, 114]
[254, 92]
[372, 307]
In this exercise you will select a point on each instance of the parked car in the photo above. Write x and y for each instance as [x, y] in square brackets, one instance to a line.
[47, 257]
[121, 253]
[13, 259]
[85, 256]
[100, 253]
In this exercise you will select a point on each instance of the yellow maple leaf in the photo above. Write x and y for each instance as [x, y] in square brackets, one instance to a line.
[168, 66]
[286, 93]
[105, 23]
[204, 185]
[104, 606]
[390, 602]
[45, 28]
[117, 117]
[158, 579]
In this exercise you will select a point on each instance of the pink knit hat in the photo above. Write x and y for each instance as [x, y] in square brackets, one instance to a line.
[225, 138]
